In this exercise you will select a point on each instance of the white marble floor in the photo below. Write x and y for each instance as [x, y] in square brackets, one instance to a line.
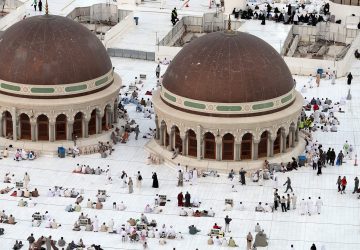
[336, 228]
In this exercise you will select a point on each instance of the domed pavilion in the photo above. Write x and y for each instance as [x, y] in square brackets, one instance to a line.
[229, 97]
[57, 83]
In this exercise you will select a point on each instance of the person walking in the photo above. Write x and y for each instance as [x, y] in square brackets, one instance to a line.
[242, 173]
[318, 205]
[349, 78]
[138, 180]
[227, 224]
[293, 200]
[35, 4]
[340, 158]
[157, 71]
[283, 204]
[317, 80]
[288, 201]
[338, 183]
[180, 179]
[137, 131]
[155, 181]
[332, 157]
[40, 5]
[276, 201]
[343, 185]
[26, 180]
[131, 186]
[319, 168]
[356, 186]
[313, 247]
[288, 185]
[249, 240]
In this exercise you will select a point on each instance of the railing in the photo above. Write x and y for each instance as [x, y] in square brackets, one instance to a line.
[347, 2]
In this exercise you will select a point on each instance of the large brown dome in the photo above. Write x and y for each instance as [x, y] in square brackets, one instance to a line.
[228, 67]
[51, 50]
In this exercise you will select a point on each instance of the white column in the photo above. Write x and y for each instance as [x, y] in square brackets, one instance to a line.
[70, 129]
[33, 129]
[184, 144]
[218, 142]
[51, 131]
[255, 149]
[283, 141]
[199, 138]
[15, 125]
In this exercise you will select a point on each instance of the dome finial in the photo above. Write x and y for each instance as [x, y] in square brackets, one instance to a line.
[46, 8]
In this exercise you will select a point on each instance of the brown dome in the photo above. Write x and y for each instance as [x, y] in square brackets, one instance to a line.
[229, 67]
[51, 50]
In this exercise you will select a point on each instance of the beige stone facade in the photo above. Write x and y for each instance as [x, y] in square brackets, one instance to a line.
[238, 139]
[61, 119]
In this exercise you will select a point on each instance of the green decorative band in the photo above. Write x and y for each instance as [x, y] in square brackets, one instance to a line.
[101, 81]
[228, 108]
[263, 105]
[48, 90]
[10, 87]
[286, 99]
[170, 97]
[76, 88]
[42, 90]
[194, 105]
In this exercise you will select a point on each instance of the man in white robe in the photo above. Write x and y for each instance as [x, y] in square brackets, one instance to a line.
[318, 205]
[303, 207]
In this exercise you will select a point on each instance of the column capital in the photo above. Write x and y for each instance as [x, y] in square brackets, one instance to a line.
[256, 141]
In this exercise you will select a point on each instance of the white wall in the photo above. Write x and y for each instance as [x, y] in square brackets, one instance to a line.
[341, 11]
[166, 52]
[231, 4]
[13, 17]
[119, 29]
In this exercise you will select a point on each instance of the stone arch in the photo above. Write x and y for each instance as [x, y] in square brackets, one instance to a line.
[106, 120]
[92, 122]
[178, 141]
[277, 142]
[192, 142]
[209, 146]
[263, 144]
[25, 127]
[42, 122]
[228, 141]
[78, 125]
[61, 127]
[8, 124]
[246, 146]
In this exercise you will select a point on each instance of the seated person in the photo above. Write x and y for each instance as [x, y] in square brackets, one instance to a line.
[197, 213]
[211, 213]
[259, 208]
[99, 205]
[76, 226]
[193, 230]
[210, 241]
[267, 208]
[148, 209]
[35, 193]
[11, 220]
[144, 219]
[132, 222]
[216, 226]
[232, 242]
[22, 203]
[77, 207]
[54, 224]
[171, 234]
[26, 193]
[121, 206]
[333, 128]
[103, 228]
[183, 212]
[69, 208]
